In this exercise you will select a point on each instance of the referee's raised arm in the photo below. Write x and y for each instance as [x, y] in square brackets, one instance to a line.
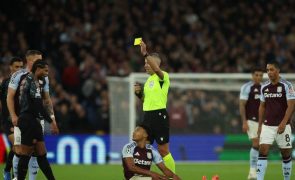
[153, 60]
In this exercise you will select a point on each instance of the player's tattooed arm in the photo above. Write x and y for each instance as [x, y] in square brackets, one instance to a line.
[48, 104]
[49, 108]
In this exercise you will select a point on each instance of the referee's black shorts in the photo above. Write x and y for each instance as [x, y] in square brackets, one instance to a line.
[31, 130]
[158, 123]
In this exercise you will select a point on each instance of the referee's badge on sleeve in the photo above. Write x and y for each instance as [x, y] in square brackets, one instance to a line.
[151, 84]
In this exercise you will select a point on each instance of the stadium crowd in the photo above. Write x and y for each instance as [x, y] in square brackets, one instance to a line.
[86, 41]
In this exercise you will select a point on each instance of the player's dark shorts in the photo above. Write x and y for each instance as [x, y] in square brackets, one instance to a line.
[158, 122]
[7, 128]
[31, 130]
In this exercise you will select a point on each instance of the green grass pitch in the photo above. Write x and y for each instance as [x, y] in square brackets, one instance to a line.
[192, 171]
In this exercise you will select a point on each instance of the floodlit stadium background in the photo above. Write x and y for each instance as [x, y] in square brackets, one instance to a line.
[85, 42]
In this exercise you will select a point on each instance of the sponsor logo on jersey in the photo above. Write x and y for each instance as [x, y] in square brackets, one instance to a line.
[273, 95]
[266, 90]
[142, 162]
[136, 154]
[149, 155]
[255, 90]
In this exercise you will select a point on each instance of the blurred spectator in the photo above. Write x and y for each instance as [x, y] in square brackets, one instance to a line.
[177, 115]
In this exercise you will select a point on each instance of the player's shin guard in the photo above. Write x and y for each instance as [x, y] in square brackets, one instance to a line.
[287, 167]
[169, 162]
[261, 166]
[253, 158]
[22, 167]
[8, 165]
[45, 167]
[33, 168]
[15, 161]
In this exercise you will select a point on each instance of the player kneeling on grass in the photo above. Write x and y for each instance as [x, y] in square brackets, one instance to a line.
[138, 157]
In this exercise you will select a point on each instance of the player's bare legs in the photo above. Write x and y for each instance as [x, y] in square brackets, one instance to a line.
[255, 143]
[167, 157]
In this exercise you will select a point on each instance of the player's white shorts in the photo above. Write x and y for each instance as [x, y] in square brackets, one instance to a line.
[140, 178]
[269, 134]
[42, 122]
[17, 135]
[253, 128]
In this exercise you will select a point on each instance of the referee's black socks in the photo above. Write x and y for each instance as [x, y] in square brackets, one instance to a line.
[45, 167]
[8, 165]
[22, 167]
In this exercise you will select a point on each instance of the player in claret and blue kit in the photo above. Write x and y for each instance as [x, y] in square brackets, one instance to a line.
[139, 155]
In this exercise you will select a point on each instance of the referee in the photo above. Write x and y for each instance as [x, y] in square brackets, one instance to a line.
[154, 98]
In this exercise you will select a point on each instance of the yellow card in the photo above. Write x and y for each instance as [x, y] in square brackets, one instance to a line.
[137, 41]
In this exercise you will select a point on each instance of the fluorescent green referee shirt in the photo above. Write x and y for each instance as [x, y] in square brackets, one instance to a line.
[155, 96]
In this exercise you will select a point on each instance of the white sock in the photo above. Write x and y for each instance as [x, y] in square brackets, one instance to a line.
[287, 168]
[15, 164]
[261, 167]
[253, 158]
[33, 168]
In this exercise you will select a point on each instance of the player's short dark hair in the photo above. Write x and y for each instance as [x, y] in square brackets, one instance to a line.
[15, 59]
[257, 69]
[33, 52]
[275, 63]
[39, 63]
[147, 130]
